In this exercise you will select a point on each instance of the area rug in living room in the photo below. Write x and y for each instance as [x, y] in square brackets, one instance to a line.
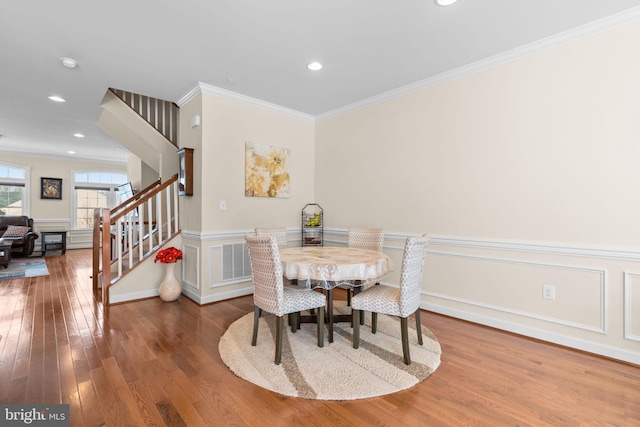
[336, 371]
[24, 267]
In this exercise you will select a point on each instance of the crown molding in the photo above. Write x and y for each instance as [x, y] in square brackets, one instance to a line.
[70, 158]
[247, 100]
[581, 32]
[614, 21]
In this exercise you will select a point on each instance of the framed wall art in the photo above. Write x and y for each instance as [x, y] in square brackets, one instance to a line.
[185, 172]
[51, 188]
[266, 171]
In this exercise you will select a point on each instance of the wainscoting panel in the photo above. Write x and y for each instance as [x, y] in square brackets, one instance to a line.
[191, 266]
[516, 287]
[632, 306]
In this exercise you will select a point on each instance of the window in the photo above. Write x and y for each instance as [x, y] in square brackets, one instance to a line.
[14, 189]
[94, 190]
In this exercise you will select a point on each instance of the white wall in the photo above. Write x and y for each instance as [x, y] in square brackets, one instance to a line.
[525, 174]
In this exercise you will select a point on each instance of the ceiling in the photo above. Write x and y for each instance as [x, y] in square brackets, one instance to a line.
[260, 49]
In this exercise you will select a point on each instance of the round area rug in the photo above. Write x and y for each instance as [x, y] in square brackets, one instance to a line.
[336, 371]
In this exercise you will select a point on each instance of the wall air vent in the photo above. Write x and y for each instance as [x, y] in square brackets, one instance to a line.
[235, 261]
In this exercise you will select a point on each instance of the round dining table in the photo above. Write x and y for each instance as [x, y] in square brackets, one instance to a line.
[326, 267]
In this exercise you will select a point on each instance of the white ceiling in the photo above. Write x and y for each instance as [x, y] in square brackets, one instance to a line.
[258, 48]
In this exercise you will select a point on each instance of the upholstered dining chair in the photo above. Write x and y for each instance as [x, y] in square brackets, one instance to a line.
[270, 294]
[363, 238]
[400, 302]
[280, 233]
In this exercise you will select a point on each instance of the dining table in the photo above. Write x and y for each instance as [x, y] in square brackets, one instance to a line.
[326, 267]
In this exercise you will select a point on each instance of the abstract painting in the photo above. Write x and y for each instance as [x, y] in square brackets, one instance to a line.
[266, 171]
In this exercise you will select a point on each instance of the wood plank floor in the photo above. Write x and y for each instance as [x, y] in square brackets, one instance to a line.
[156, 364]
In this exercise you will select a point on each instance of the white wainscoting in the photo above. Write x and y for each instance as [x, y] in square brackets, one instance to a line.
[498, 283]
[191, 266]
[518, 295]
[632, 306]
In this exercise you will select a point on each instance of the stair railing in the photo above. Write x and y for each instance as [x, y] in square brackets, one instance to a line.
[162, 115]
[128, 234]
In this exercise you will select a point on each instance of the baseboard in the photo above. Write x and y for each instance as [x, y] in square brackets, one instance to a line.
[221, 296]
[132, 296]
[575, 343]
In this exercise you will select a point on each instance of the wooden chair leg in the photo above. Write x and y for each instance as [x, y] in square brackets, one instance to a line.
[257, 312]
[348, 297]
[356, 290]
[320, 324]
[418, 326]
[374, 322]
[405, 340]
[279, 328]
[355, 315]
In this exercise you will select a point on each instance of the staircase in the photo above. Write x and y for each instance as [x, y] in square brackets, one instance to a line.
[131, 233]
[128, 235]
[147, 127]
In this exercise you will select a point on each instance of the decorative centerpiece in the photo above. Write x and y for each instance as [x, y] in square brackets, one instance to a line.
[170, 288]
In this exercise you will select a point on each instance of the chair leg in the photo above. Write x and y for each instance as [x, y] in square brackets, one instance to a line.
[320, 326]
[293, 321]
[279, 328]
[374, 322]
[348, 297]
[418, 326]
[356, 327]
[257, 312]
[405, 340]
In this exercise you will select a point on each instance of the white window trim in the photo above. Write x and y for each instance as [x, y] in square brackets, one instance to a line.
[75, 184]
[26, 205]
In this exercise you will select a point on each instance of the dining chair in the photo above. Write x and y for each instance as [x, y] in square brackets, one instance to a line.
[363, 238]
[400, 302]
[270, 294]
[280, 233]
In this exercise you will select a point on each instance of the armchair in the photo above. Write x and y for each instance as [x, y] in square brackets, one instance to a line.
[19, 228]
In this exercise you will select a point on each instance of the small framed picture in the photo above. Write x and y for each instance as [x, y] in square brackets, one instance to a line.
[51, 188]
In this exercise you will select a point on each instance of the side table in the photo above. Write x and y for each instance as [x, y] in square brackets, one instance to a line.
[53, 241]
[5, 252]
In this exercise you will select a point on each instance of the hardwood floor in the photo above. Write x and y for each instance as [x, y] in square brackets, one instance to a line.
[155, 363]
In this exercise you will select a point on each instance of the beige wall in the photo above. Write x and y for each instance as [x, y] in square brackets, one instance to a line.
[525, 174]
[229, 124]
[56, 214]
[219, 160]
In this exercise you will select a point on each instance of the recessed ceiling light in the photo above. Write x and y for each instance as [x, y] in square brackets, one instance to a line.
[78, 135]
[71, 152]
[315, 66]
[120, 149]
[69, 62]
[445, 2]
[57, 98]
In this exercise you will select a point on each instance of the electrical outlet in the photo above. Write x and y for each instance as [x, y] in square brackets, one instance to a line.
[548, 292]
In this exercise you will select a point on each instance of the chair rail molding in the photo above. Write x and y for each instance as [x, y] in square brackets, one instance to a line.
[603, 252]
